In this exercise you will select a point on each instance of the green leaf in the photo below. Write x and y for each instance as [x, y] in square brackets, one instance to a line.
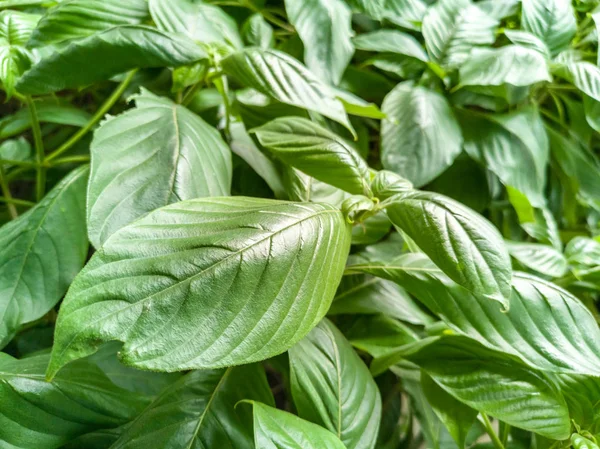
[326, 31]
[528, 40]
[584, 75]
[582, 394]
[494, 383]
[35, 267]
[301, 187]
[499, 9]
[200, 411]
[177, 267]
[421, 137]
[282, 78]
[457, 417]
[451, 28]
[467, 247]
[553, 21]
[276, 429]
[546, 326]
[333, 387]
[77, 19]
[583, 252]
[317, 152]
[15, 149]
[391, 41]
[115, 50]
[38, 414]
[371, 230]
[257, 32]
[514, 146]
[580, 442]
[201, 22]
[177, 157]
[543, 259]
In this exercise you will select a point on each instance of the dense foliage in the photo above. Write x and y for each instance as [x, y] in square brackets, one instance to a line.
[315, 224]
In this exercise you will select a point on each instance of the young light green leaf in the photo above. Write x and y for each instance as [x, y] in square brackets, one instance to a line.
[15, 149]
[528, 40]
[467, 247]
[326, 31]
[543, 259]
[257, 32]
[420, 137]
[333, 387]
[583, 252]
[114, 51]
[38, 414]
[35, 268]
[317, 152]
[200, 21]
[391, 41]
[200, 411]
[81, 18]
[281, 77]
[276, 429]
[177, 157]
[178, 266]
[451, 28]
[553, 21]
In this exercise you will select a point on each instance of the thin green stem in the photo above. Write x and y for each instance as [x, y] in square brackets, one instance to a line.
[267, 15]
[491, 432]
[24, 3]
[505, 433]
[223, 87]
[189, 95]
[70, 160]
[17, 163]
[100, 113]
[8, 199]
[40, 183]
[18, 202]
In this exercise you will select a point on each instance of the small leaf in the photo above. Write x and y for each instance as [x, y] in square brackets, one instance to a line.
[528, 40]
[257, 32]
[584, 75]
[333, 387]
[15, 149]
[391, 41]
[544, 259]
[553, 21]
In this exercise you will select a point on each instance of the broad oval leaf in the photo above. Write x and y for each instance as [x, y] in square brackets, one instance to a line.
[333, 387]
[200, 411]
[391, 41]
[317, 152]
[77, 19]
[283, 78]
[35, 267]
[156, 154]
[544, 259]
[326, 31]
[467, 247]
[114, 51]
[38, 414]
[420, 137]
[276, 429]
[553, 21]
[233, 280]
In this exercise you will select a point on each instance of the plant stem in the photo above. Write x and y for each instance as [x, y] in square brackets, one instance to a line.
[504, 433]
[189, 95]
[109, 103]
[18, 202]
[267, 15]
[490, 431]
[40, 183]
[24, 3]
[70, 160]
[17, 163]
[8, 199]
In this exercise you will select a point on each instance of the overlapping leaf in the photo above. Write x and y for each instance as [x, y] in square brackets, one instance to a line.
[553, 21]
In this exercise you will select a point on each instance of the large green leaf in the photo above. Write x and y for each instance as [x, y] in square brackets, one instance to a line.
[545, 326]
[177, 156]
[451, 28]
[553, 21]
[113, 51]
[75, 19]
[206, 283]
[200, 411]
[467, 247]
[36, 265]
[584, 75]
[544, 259]
[281, 77]
[582, 394]
[37, 414]
[420, 137]
[276, 429]
[325, 29]
[391, 41]
[513, 146]
[200, 21]
[333, 387]
[497, 384]
[317, 152]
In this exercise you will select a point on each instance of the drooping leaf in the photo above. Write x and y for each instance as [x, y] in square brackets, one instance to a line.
[333, 387]
[553, 21]
[420, 137]
[177, 267]
[38, 414]
[114, 51]
[200, 411]
[325, 29]
[177, 156]
[75, 19]
[35, 267]
[198, 20]
[281, 77]
[543, 259]
[317, 152]
[467, 247]
[276, 429]
[391, 41]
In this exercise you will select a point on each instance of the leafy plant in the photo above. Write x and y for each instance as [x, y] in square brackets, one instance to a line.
[317, 224]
